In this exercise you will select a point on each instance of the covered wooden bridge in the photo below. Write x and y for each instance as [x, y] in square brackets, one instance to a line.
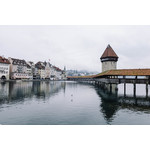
[118, 76]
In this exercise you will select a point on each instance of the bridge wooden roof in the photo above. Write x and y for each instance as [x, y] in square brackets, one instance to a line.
[109, 52]
[119, 72]
[125, 72]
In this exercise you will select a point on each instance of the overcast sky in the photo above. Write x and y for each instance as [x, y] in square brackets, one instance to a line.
[77, 47]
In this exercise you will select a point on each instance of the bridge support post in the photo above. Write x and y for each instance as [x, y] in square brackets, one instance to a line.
[116, 89]
[110, 88]
[124, 89]
[104, 86]
[146, 89]
[100, 85]
[134, 89]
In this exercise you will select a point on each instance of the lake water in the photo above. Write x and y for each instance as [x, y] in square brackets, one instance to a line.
[71, 103]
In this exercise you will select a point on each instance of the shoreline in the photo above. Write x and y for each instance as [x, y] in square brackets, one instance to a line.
[34, 80]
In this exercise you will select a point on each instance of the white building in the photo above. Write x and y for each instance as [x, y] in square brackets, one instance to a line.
[18, 69]
[33, 70]
[4, 68]
[58, 73]
[109, 59]
[40, 70]
[52, 73]
[32, 65]
[29, 71]
[47, 70]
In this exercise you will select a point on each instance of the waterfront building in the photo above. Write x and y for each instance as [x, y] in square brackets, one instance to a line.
[36, 74]
[29, 71]
[52, 73]
[40, 70]
[47, 70]
[64, 75]
[18, 69]
[32, 70]
[109, 59]
[58, 73]
[4, 68]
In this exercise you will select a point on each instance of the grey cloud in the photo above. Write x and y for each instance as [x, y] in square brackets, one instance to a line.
[77, 47]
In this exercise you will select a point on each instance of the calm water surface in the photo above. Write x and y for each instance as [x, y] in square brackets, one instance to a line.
[71, 103]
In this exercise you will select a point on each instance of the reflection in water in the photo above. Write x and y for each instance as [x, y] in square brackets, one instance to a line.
[14, 92]
[111, 102]
[73, 103]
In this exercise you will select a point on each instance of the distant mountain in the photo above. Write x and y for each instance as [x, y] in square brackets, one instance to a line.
[80, 73]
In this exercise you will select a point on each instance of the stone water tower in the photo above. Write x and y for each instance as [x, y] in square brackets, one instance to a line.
[109, 59]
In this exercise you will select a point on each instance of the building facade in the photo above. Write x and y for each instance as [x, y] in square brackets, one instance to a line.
[109, 59]
[40, 70]
[47, 70]
[18, 69]
[4, 68]
[58, 73]
[31, 69]
[52, 73]
[64, 74]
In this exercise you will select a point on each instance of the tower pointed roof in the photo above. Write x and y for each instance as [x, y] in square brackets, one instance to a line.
[109, 52]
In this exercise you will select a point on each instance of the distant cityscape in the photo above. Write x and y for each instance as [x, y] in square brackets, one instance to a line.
[18, 69]
[13, 69]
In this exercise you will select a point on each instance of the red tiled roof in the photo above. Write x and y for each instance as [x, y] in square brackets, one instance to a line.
[109, 52]
[58, 69]
[4, 60]
[126, 72]
[39, 65]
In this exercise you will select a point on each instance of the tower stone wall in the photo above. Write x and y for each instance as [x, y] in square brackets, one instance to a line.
[109, 65]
